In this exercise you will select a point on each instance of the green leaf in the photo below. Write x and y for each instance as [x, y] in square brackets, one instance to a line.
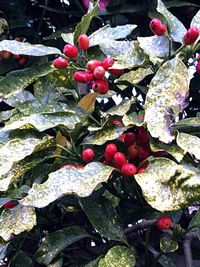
[189, 143]
[56, 263]
[154, 46]
[119, 110]
[132, 119]
[103, 217]
[118, 256]
[56, 242]
[16, 220]
[135, 76]
[106, 33]
[190, 125]
[4, 28]
[21, 259]
[166, 98]
[127, 54]
[5, 115]
[195, 222]
[15, 82]
[66, 181]
[167, 244]
[196, 21]
[94, 263]
[83, 26]
[174, 3]
[21, 48]
[68, 37]
[176, 28]
[102, 136]
[168, 186]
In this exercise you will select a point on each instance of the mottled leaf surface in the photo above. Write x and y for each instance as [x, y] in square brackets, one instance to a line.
[189, 143]
[132, 119]
[56, 263]
[177, 29]
[16, 81]
[118, 256]
[56, 242]
[119, 110]
[66, 181]
[68, 37]
[166, 98]
[135, 76]
[108, 33]
[196, 21]
[16, 220]
[167, 244]
[22, 48]
[189, 125]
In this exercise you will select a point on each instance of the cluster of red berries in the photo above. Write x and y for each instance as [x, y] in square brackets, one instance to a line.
[7, 55]
[157, 27]
[164, 223]
[95, 70]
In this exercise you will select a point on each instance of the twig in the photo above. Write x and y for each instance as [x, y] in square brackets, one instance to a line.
[140, 226]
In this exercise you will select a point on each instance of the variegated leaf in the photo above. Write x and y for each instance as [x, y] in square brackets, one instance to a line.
[196, 21]
[135, 76]
[119, 110]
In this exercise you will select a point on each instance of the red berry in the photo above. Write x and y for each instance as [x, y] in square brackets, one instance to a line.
[198, 67]
[116, 72]
[80, 167]
[92, 64]
[128, 169]
[101, 86]
[60, 63]
[66, 165]
[129, 139]
[110, 151]
[133, 151]
[164, 222]
[191, 36]
[16, 56]
[119, 159]
[89, 77]
[99, 72]
[80, 77]
[117, 122]
[22, 61]
[122, 137]
[143, 153]
[88, 154]
[83, 42]
[157, 27]
[70, 51]
[6, 54]
[141, 170]
[107, 63]
[143, 137]
[11, 204]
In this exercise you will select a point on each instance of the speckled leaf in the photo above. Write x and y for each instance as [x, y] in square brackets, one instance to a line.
[82, 27]
[69, 180]
[166, 98]
[103, 217]
[167, 244]
[118, 256]
[168, 186]
[190, 125]
[57, 241]
[5, 115]
[21, 259]
[56, 263]
[21, 48]
[88, 102]
[132, 119]
[107, 33]
[127, 54]
[177, 29]
[16, 81]
[104, 135]
[16, 220]
[119, 110]
[196, 21]
[155, 46]
[189, 143]
[135, 76]
[45, 121]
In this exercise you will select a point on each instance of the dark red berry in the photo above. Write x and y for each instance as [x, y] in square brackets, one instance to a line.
[88, 154]
[129, 139]
[70, 51]
[101, 86]
[119, 159]
[6, 54]
[92, 64]
[116, 72]
[80, 77]
[16, 56]
[110, 151]
[22, 61]
[143, 137]
[164, 223]
[60, 63]
[107, 63]
[128, 169]
[122, 137]
[198, 67]
[191, 36]
[143, 153]
[99, 72]
[133, 151]
[11, 204]
[83, 42]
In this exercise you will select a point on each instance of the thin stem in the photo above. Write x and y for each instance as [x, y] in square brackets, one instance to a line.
[92, 118]
[187, 251]
[42, 18]
[147, 245]
[65, 149]
[140, 226]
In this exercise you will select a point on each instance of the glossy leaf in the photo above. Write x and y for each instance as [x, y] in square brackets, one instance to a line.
[21, 48]
[189, 143]
[83, 26]
[119, 110]
[57, 241]
[190, 125]
[166, 98]
[21, 259]
[108, 33]
[15, 82]
[196, 20]
[102, 136]
[177, 29]
[16, 220]
[118, 256]
[127, 54]
[195, 222]
[167, 244]
[103, 217]
[135, 76]
[168, 186]
[67, 181]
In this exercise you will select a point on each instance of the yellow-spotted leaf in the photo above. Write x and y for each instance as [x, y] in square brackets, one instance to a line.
[135, 76]
[189, 143]
[167, 244]
[166, 98]
[132, 119]
[67, 181]
[119, 110]
[16, 220]
[189, 125]
[119, 256]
